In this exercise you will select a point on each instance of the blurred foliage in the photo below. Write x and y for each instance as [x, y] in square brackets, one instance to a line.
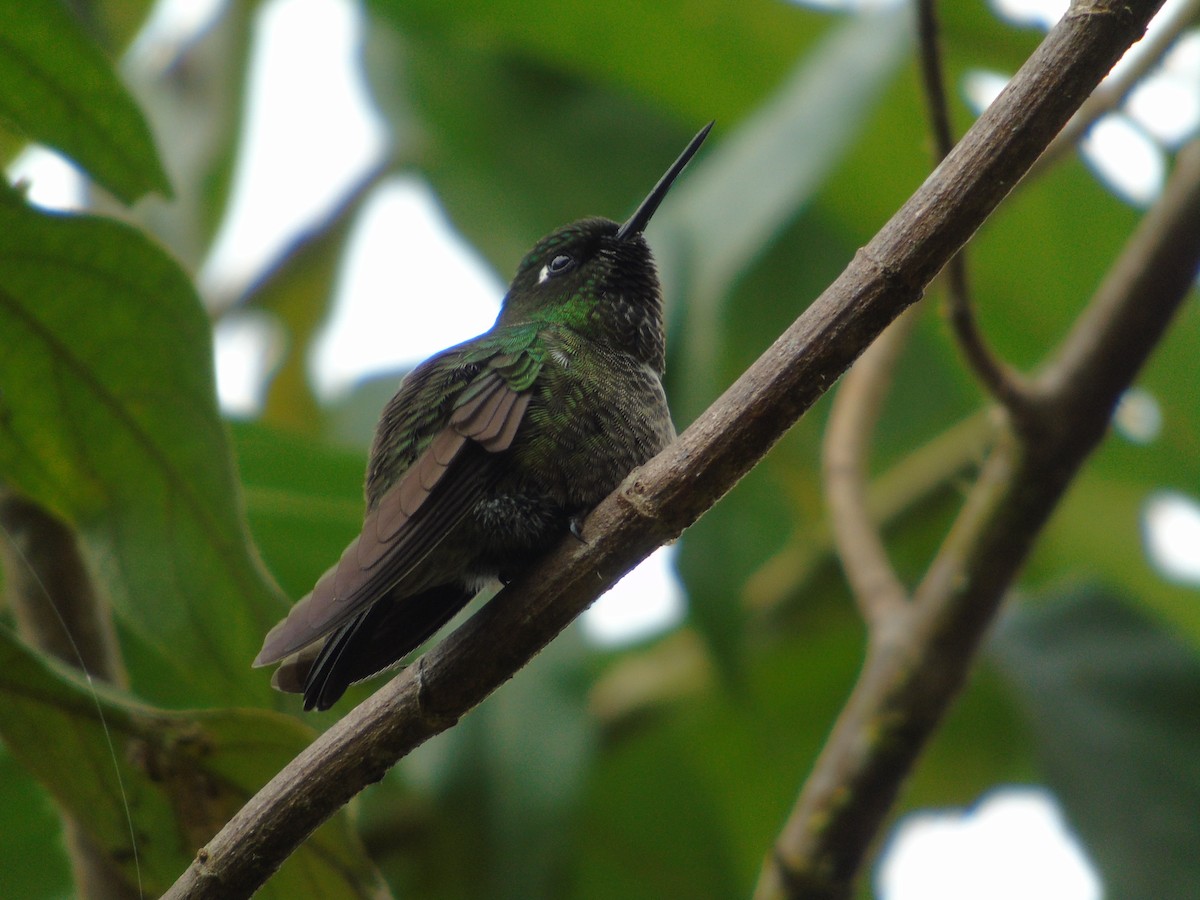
[131, 451]
[177, 778]
[61, 89]
[660, 769]
[1092, 673]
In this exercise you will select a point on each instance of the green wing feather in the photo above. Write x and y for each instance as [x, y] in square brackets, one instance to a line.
[433, 459]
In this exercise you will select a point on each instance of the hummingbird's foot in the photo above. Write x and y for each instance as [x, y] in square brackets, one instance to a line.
[576, 527]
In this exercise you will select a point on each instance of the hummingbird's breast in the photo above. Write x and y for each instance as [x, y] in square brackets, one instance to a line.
[596, 414]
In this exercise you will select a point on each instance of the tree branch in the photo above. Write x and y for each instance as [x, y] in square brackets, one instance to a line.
[877, 590]
[670, 492]
[907, 684]
[1113, 336]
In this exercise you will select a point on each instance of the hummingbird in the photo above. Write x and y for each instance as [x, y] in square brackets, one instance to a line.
[492, 450]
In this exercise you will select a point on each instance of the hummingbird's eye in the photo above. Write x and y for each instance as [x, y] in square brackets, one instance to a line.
[556, 266]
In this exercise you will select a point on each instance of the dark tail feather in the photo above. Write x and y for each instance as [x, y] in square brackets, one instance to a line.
[378, 638]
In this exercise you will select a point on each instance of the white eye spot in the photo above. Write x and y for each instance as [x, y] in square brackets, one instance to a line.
[556, 266]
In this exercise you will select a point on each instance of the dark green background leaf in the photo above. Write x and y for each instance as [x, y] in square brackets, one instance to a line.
[1113, 700]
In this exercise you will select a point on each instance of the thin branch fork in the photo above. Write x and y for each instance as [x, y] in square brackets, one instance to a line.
[671, 491]
[999, 379]
[909, 682]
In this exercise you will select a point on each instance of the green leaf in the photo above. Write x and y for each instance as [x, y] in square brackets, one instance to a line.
[539, 748]
[32, 856]
[304, 501]
[726, 212]
[117, 22]
[1113, 700]
[152, 786]
[676, 54]
[717, 555]
[60, 89]
[656, 830]
[488, 808]
[717, 227]
[108, 418]
[685, 800]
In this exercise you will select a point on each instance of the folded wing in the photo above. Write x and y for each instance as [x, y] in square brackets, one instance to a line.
[455, 468]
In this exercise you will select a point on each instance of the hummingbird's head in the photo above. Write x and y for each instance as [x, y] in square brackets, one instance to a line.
[602, 287]
[599, 278]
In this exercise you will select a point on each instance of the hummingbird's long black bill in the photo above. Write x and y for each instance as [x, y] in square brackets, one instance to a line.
[641, 216]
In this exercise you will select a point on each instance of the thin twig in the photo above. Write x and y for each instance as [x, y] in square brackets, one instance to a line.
[877, 590]
[1000, 380]
[671, 491]
[933, 78]
[933, 466]
[1004, 383]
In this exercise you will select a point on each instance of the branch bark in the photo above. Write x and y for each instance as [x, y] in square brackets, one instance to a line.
[670, 492]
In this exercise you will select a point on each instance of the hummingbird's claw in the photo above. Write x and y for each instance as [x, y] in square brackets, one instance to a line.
[576, 527]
